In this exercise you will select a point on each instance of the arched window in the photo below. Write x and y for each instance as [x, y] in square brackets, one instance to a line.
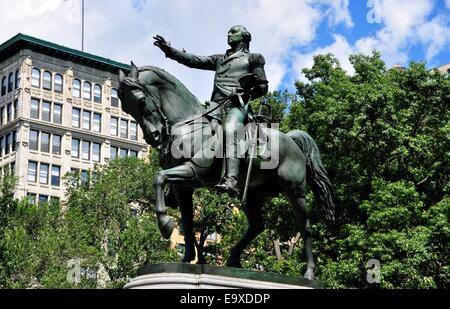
[3, 85]
[58, 83]
[47, 84]
[18, 76]
[114, 98]
[97, 93]
[87, 91]
[10, 82]
[76, 88]
[36, 78]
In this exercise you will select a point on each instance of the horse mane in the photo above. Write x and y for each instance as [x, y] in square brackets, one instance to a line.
[169, 78]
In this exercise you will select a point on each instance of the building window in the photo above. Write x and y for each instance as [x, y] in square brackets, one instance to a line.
[123, 152]
[36, 78]
[43, 198]
[32, 171]
[14, 140]
[45, 142]
[16, 109]
[12, 168]
[96, 148]
[10, 82]
[114, 124]
[75, 117]
[113, 152]
[97, 93]
[18, 77]
[133, 153]
[133, 131]
[7, 144]
[76, 88]
[57, 113]
[3, 85]
[56, 144]
[86, 120]
[34, 109]
[75, 151]
[124, 128]
[54, 199]
[47, 80]
[34, 140]
[31, 198]
[114, 98]
[1, 146]
[84, 176]
[2, 116]
[97, 123]
[58, 83]
[9, 111]
[87, 91]
[46, 106]
[86, 150]
[43, 173]
[56, 175]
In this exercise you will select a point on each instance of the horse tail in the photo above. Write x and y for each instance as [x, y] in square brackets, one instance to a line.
[316, 175]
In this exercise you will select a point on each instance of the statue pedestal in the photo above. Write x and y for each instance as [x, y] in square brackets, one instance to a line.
[192, 276]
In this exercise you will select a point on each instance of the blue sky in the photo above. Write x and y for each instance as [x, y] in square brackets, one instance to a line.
[287, 32]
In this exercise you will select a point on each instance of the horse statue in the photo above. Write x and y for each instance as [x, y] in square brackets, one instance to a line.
[168, 113]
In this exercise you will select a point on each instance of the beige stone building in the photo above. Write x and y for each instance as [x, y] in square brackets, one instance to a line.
[445, 68]
[59, 111]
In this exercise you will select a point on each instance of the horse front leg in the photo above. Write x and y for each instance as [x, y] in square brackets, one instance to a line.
[179, 175]
[184, 201]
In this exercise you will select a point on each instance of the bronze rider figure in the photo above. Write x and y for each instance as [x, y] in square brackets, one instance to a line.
[229, 67]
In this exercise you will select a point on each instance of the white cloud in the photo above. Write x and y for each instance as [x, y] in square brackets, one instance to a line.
[435, 34]
[404, 25]
[122, 30]
[340, 48]
[338, 12]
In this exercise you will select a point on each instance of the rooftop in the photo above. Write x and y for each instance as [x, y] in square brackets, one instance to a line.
[22, 41]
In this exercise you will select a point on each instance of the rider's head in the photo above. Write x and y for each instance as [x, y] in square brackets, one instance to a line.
[239, 34]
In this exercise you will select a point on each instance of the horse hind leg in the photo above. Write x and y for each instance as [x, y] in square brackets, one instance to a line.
[298, 200]
[184, 200]
[255, 227]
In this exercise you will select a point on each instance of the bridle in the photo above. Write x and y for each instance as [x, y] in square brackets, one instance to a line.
[135, 83]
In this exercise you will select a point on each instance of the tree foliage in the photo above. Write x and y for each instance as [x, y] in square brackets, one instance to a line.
[105, 223]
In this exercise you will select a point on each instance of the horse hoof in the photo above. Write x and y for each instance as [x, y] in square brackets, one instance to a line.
[187, 259]
[165, 226]
[235, 264]
[189, 255]
[309, 274]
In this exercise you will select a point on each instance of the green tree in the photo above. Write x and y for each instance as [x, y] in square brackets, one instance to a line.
[116, 203]
[384, 138]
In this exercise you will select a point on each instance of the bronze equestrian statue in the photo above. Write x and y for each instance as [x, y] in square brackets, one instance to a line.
[170, 116]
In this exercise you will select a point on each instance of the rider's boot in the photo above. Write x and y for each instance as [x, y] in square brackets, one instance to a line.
[229, 183]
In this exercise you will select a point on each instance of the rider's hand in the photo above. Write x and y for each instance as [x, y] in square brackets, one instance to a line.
[162, 43]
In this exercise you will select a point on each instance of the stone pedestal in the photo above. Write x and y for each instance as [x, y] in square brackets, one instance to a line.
[191, 276]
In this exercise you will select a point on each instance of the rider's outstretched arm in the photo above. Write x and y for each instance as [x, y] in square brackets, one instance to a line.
[190, 60]
[193, 61]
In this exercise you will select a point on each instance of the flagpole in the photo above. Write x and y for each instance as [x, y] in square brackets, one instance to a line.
[82, 25]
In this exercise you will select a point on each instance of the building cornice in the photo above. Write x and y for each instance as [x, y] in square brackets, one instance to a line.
[23, 41]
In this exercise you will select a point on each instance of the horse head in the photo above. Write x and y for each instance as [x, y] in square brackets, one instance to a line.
[137, 101]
